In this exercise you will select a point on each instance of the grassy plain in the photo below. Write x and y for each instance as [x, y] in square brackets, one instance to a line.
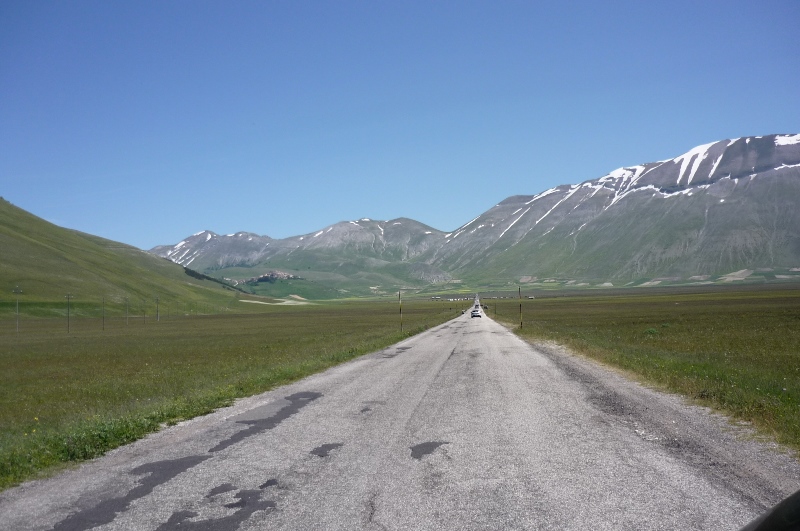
[65, 397]
[735, 349]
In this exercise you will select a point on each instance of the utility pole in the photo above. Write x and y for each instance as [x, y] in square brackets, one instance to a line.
[68, 296]
[104, 313]
[126, 311]
[158, 316]
[17, 291]
[520, 306]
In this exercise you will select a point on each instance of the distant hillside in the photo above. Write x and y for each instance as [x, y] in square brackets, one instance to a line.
[724, 211]
[46, 262]
[349, 258]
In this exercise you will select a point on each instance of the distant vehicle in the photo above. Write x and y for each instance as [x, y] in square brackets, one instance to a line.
[475, 313]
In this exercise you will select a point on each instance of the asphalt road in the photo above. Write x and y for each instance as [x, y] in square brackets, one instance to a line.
[462, 427]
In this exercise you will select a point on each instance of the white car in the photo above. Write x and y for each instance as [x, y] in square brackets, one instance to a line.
[475, 313]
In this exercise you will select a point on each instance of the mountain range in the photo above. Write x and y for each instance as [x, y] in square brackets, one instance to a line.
[720, 212]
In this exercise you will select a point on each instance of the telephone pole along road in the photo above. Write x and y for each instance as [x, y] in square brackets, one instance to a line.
[465, 426]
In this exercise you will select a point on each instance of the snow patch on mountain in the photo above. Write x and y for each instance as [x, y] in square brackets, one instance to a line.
[513, 222]
[716, 163]
[541, 195]
[624, 174]
[572, 191]
[787, 140]
[694, 157]
[467, 224]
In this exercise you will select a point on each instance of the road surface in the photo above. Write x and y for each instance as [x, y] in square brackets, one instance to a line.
[463, 427]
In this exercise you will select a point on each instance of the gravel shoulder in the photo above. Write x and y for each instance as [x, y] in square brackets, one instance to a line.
[728, 453]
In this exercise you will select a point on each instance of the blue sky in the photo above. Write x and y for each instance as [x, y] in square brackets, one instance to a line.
[144, 122]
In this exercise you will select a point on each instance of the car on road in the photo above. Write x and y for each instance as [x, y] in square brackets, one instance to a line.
[475, 313]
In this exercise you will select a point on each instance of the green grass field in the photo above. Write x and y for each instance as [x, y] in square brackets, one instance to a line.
[736, 349]
[65, 397]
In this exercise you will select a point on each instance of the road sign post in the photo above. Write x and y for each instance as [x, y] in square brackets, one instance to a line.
[68, 296]
[400, 299]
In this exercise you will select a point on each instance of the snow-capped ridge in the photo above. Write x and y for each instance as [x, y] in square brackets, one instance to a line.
[713, 179]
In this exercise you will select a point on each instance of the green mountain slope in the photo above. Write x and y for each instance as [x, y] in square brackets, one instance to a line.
[47, 262]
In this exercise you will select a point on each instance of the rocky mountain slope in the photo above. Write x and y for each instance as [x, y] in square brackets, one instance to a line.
[397, 240]
[722, 207]
[350, 257]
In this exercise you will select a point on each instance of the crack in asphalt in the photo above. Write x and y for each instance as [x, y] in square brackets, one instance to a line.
[372, 508]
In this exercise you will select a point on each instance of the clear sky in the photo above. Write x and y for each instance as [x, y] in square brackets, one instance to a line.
[144, 122]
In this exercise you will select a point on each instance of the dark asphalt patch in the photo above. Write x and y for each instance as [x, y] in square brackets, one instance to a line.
[325, 449]
[420, 450]
[370, 403]
[160, 472]
[103, 513]
[398, 350]
[269, 483]
[296, 401]
[249, 502]
[225, 487]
